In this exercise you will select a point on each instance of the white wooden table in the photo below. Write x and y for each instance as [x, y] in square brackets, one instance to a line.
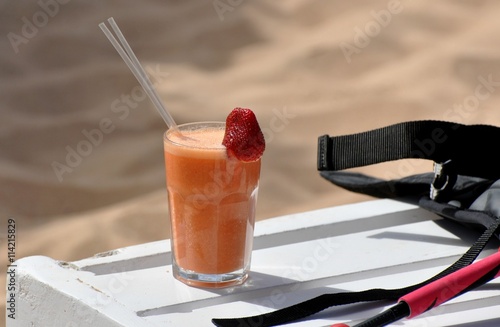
[379, 243]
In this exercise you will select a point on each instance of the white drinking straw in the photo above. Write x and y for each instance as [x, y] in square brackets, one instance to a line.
[135, 66]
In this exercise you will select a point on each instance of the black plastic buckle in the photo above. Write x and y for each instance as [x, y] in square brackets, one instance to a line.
[445, 177]
[324, 153]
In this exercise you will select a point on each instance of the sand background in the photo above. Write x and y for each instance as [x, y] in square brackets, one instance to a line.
[306, 68]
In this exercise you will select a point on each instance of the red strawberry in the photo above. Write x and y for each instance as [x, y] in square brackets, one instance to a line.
[243, 137]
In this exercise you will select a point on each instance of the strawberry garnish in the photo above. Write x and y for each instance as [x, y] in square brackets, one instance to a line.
[243, 138]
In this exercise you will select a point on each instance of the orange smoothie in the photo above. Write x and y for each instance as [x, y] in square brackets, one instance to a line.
[212, 202]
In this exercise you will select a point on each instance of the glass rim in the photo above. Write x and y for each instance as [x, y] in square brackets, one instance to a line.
[197, 125]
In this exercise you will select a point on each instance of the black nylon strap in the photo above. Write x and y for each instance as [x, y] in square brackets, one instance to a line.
[319, 303]
[470, 147]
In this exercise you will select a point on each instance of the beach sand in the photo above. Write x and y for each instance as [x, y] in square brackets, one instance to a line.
[81, 152]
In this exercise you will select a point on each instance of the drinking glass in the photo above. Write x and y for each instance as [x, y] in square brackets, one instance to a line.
[212, 200]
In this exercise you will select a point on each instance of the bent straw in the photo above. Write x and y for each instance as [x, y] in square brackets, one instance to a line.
[135, 66]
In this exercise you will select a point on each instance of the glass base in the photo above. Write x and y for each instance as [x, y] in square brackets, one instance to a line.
[195, 279]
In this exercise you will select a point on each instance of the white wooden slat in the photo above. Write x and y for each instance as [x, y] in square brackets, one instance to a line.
[379, 243]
